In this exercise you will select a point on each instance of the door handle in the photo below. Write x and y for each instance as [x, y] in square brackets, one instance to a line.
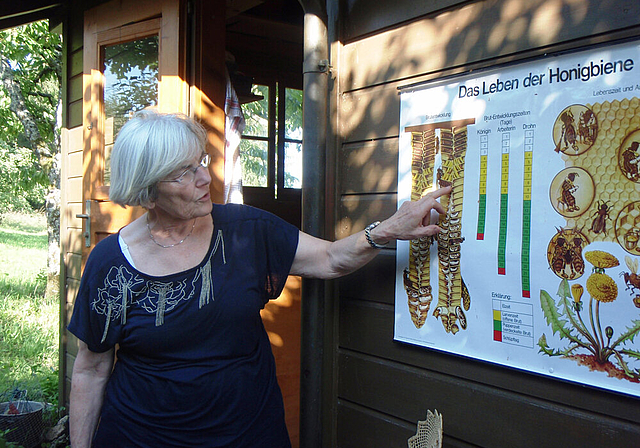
[87, 226]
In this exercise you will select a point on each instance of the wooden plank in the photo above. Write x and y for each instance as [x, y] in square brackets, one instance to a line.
[358, 211]
[476, 31]
[75, 63]
[75, 241]
[74, 143]
[74, 112]
[474, 412]
[73, 284]
[374, 282]
[74, 89]
[361, 427]
[74, 265]
[71, 211]
[74, 167]
[370, 166]
[75, 28]
[367, 327]
[369, 114]
[74, 191]
[364, 19]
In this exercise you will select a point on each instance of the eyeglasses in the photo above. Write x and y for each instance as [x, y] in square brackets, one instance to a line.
[189, 175]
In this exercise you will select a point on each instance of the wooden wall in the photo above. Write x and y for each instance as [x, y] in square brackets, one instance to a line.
[72, 240]
[382, 387]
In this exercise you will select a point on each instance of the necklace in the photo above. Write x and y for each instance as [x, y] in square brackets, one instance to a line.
[174, 244]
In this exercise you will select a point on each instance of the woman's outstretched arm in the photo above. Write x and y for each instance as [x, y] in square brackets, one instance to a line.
[317, 258]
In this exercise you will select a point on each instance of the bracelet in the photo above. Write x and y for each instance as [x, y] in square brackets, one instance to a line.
[367, 234]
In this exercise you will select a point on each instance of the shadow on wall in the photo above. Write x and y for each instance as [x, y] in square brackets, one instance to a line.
[450, 39]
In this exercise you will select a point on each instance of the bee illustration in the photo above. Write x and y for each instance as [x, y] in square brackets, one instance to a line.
[631, 279]
[587, 127]
[600, 216]
[569, 133]
[577, 263]
[558, 261]
[564, 253]
[567, 190]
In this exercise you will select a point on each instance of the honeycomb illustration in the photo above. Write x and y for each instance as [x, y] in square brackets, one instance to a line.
[627, 228]
[614, 202]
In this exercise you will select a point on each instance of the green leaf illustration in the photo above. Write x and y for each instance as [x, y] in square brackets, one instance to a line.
[628, 335]
[632, 353]
[544, 348]
[552, 315]
[564, 290]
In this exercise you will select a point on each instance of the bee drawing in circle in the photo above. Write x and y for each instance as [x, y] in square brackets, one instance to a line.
[564, 253]
[600, 216]
[629, 160]
[567, 190]
[568, 133]
[587, 127]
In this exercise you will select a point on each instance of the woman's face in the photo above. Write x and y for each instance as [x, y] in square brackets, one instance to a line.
[185, 197]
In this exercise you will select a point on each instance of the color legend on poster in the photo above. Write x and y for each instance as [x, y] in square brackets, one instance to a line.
[513, 323]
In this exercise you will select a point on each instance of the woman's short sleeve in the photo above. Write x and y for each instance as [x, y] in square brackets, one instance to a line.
[282, 243]
[95, 308]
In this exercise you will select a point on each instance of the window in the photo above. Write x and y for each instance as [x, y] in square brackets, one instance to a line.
[131, 84]
[271, 144]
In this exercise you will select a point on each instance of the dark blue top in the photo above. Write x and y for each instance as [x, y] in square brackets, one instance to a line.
[195, 367]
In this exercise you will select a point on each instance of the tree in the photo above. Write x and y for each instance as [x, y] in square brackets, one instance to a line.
[31, 77]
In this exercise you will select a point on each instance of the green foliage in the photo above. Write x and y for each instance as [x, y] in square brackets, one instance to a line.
[28, 319]
[23, 183]
[131, 71]
[31, 56]
[34, 55]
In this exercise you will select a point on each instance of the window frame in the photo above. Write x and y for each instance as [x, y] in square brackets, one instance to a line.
[274, 197]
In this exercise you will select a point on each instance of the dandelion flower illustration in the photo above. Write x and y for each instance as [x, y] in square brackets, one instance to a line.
[601, 259]
[576, 292]
[602, 287]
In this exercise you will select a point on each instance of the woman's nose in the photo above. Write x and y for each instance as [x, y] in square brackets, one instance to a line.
[203, 177]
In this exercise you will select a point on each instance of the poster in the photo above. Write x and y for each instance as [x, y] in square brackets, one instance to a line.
[537, 267]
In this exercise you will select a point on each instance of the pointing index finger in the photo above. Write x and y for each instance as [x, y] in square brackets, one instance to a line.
[439, 192]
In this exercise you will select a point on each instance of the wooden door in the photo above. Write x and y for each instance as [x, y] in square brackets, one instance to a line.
[131, 61]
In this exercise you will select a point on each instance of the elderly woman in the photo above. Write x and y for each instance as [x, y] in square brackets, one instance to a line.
[179, 292]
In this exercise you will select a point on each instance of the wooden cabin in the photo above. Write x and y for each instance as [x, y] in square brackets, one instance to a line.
[345, 380]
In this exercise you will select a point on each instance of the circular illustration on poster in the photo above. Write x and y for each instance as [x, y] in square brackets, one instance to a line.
[627, 228]
[571, 192]
[575, 130]
[629, 156]
[564, 253]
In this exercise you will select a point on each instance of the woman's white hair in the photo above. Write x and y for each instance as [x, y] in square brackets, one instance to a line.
[147, 149]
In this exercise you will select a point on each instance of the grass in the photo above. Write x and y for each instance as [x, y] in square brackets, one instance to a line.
[28, 319]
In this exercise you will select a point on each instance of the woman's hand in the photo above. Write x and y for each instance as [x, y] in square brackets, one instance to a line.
[317, 258]
[412, 220]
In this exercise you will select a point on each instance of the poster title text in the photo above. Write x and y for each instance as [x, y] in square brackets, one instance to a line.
[554, 75]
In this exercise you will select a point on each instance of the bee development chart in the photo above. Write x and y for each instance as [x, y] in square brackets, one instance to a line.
[537, 264]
